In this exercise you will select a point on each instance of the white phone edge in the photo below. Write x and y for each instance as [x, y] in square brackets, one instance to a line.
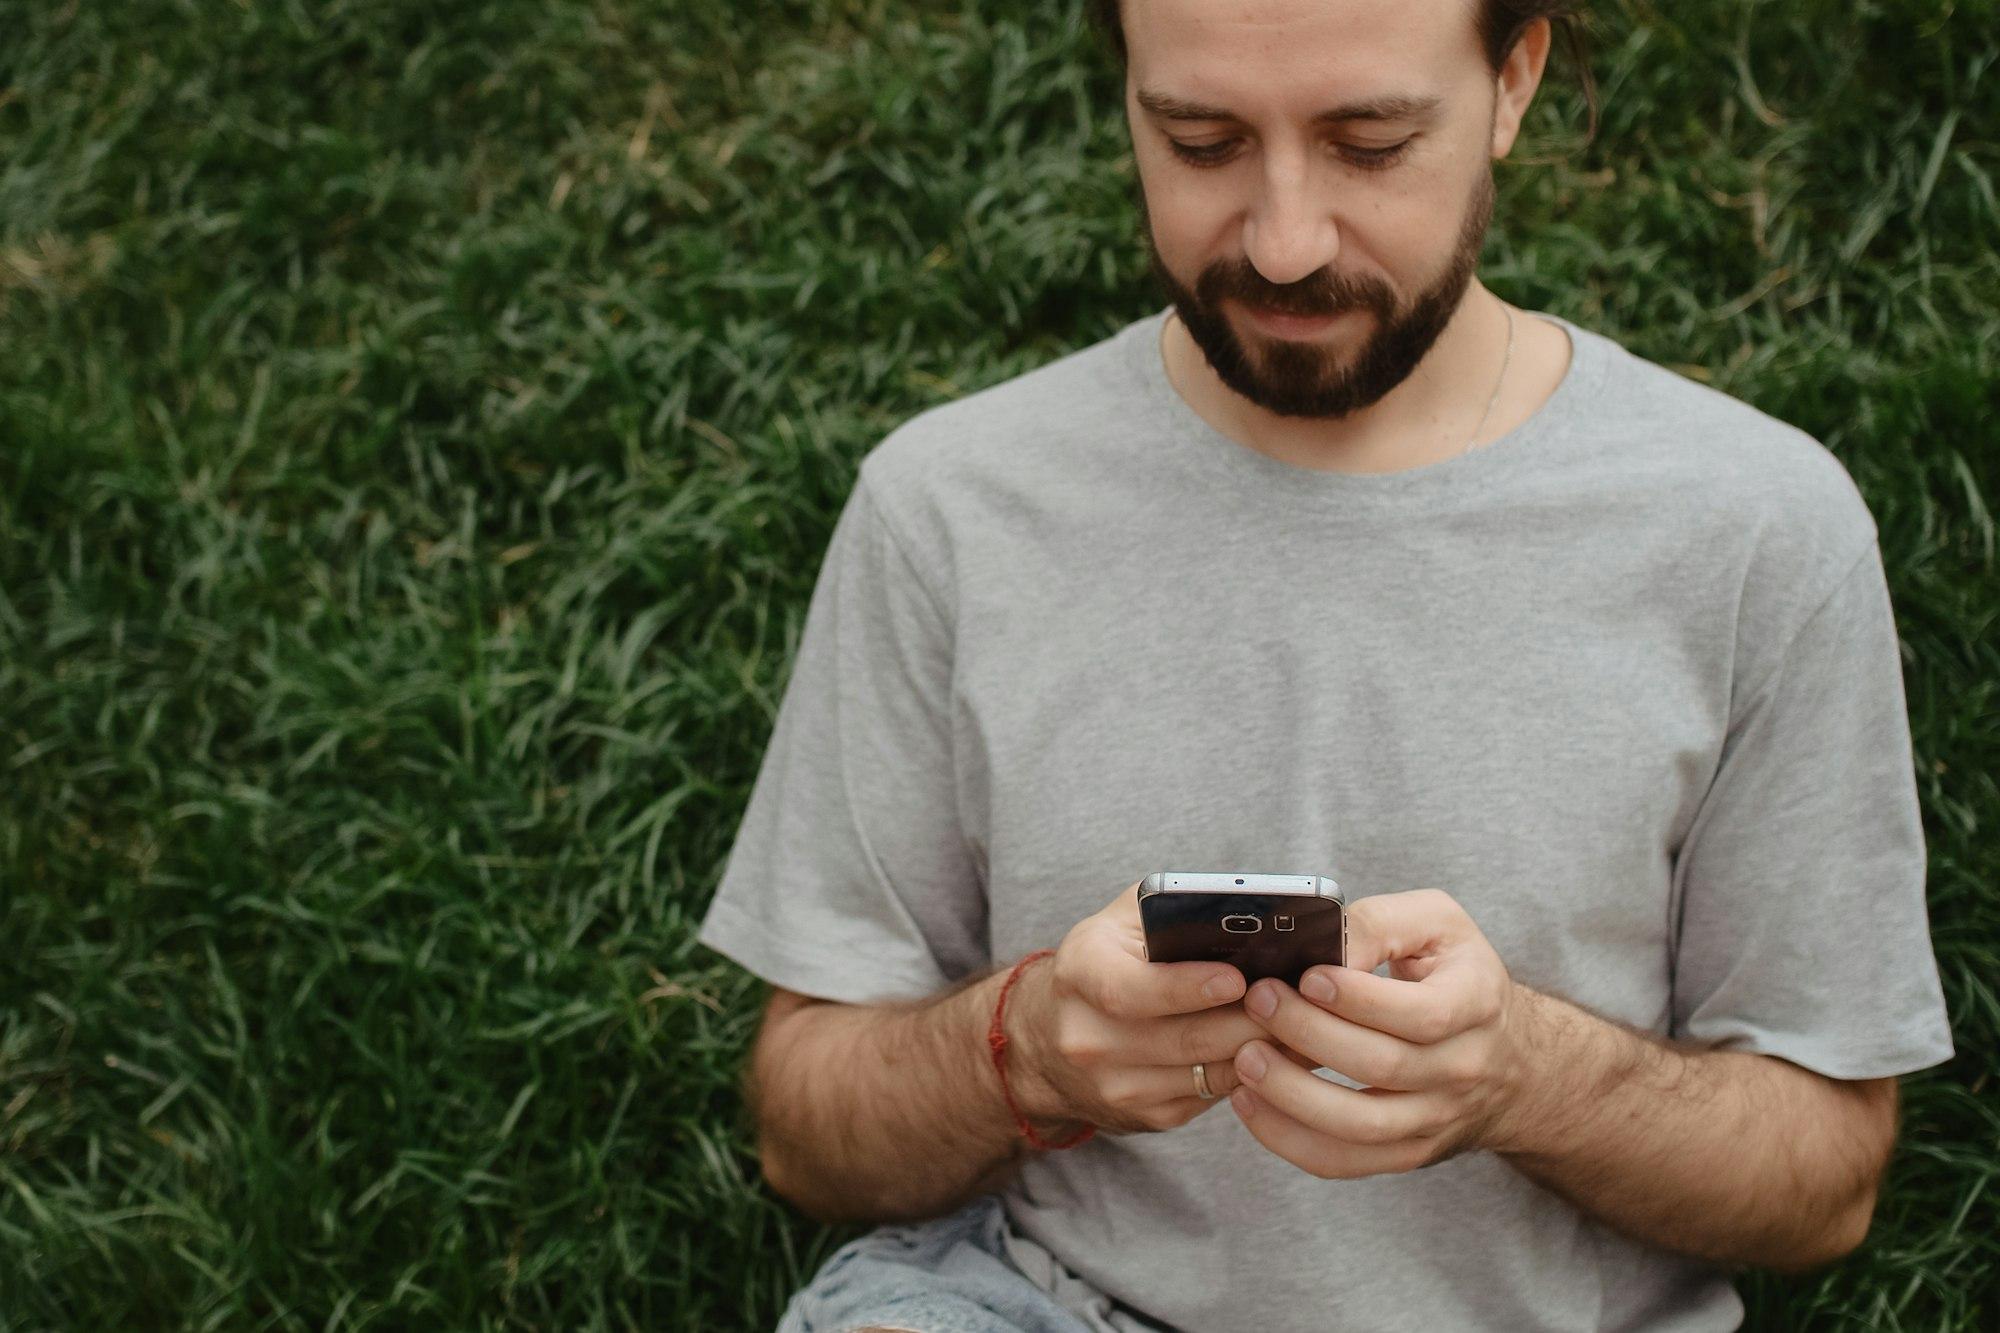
[1239, 881]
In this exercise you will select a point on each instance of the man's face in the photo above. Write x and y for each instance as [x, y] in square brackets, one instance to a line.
[1312, 218]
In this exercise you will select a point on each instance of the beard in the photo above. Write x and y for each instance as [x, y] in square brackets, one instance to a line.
[1306, 378]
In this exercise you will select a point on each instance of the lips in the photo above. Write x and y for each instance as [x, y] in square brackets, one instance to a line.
[1290, 324]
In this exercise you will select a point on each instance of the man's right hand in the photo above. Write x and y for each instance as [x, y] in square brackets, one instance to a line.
[1100, 1034]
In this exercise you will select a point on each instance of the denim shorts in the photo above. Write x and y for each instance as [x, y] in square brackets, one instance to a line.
[952, 1274]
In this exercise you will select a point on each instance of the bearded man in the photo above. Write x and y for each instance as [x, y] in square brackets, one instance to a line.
[1579, 677]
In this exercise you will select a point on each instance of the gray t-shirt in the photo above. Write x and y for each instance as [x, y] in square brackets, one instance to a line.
[1624, 682]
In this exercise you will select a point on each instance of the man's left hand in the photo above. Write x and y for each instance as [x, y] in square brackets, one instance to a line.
[1440, 1042]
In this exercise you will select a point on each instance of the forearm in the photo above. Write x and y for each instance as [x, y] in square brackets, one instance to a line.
[1728, 1156]
[889, 1112]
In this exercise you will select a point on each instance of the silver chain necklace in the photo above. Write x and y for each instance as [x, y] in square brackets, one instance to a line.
[1505, 358]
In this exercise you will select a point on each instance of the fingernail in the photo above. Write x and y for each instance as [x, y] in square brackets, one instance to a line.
[1317, 986]
[1263, 999]
[1250, 1063]
[1221, 986]
[1243, 1101]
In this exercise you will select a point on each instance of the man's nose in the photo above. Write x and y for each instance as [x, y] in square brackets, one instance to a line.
[1290, 232]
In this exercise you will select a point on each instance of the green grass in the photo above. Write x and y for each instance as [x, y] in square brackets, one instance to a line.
[419, 429]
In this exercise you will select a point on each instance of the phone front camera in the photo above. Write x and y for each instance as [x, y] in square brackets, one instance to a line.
[1239, 881]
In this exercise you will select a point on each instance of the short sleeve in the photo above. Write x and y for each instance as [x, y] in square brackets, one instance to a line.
[1803, 929]
[849, 878]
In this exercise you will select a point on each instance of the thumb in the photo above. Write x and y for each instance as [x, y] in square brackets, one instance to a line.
[1413, 928]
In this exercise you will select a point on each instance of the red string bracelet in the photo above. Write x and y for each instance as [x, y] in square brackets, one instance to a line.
[996, 1039]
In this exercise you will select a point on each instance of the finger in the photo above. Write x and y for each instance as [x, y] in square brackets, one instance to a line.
[1412, 928]
[1305, 1062]
[1458, 993]
[1092, 1038]
[1124, 984]
[1318, 1154]
[1180, 1111]
[1358, 1116]
[1124, 915]
[1152, 1085]
[1182, 1039]
[1365, 1054]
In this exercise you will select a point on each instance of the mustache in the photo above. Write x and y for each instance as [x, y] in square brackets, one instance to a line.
[1305, 304]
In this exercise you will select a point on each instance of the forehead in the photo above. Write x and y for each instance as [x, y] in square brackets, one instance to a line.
[1296, 57]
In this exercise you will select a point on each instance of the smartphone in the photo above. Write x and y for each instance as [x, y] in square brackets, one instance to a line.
[1264, 925]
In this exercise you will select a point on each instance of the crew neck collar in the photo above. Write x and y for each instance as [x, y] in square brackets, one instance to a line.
[1533, 444]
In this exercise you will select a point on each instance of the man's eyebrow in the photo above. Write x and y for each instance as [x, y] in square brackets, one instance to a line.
[1387, 106]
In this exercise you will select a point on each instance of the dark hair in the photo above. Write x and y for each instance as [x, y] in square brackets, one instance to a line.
[1499, 26]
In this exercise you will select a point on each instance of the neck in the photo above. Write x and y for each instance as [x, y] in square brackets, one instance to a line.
[1427, 418]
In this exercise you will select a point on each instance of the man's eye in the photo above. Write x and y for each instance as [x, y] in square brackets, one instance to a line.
[1376, 157]
[1202, 154]
[1213, 154]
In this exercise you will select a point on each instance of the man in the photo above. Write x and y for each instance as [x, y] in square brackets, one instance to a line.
[1580, 678]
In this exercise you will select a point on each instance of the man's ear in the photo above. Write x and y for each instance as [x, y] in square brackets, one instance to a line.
[1520, 75]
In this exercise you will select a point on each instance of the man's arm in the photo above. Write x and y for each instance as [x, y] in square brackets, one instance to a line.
[890, 1112]
[1737, 1157]
[1734, 1157]
[881, 1112]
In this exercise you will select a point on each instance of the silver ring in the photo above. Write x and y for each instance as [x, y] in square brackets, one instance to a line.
[1201, 1082]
